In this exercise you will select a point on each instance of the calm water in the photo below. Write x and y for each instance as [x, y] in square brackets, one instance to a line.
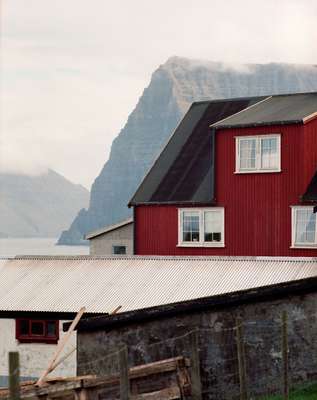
[42, 246]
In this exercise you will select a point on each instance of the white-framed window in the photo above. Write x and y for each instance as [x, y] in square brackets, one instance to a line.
[202, 227]
[304, 227]
[258, 153]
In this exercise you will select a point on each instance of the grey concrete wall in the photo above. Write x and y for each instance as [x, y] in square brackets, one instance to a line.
[154, 340]
[102, 244]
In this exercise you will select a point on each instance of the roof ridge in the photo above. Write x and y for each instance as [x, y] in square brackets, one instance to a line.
[241, 111]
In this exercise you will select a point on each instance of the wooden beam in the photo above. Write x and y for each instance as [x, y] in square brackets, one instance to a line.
[124, 374]
[115, 310]
[171, 393]
[241, 360]
[140, 371]
[60, 347]
[14, 375]
[62, 386]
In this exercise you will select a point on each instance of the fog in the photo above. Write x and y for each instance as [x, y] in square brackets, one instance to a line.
[72, 71]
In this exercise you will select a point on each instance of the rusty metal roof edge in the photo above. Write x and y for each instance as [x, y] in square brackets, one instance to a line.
[158, 257]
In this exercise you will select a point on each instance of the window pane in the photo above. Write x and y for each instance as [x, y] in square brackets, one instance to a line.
[305, 226]
[51, 329]
[269, 154]
[37, 328]
[24, 326]
[119, 250]
[190, 226]
[247, 153]
[212, 226]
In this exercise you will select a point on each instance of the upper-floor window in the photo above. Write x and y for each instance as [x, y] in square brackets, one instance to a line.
[36, 330]
[201, 227]
[304, 227]
[258, 153]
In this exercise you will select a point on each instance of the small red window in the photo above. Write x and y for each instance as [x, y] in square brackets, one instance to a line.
[37, 330]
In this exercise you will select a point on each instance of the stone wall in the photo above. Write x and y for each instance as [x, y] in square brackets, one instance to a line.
[103, 244]
[262, 332]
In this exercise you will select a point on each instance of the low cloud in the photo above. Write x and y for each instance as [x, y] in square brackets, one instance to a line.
[72, 73]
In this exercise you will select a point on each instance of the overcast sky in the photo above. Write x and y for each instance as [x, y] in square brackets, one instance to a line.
[73, 70]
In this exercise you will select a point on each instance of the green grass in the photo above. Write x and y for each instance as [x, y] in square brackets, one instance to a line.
[307, 392]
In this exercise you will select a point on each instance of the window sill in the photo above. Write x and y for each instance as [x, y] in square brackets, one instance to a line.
[259, 171]
[200, 245]
[312, 247]
[37, 340]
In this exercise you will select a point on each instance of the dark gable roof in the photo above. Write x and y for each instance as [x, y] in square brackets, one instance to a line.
[184, 171]
[311, 191]
[274, 110]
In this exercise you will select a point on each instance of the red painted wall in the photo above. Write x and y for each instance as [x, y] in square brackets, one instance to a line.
[257, 206]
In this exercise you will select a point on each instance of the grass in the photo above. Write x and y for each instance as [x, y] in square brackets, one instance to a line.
[307, 392]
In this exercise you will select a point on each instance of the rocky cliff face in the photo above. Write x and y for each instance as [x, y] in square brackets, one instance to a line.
[173, 87]
[38, 206]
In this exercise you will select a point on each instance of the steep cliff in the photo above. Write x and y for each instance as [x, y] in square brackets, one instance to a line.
[38, 206]
[173, 87]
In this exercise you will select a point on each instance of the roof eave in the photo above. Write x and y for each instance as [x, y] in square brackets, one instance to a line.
[174, 203]
[263, 293]
[110, 228]
[255, 124]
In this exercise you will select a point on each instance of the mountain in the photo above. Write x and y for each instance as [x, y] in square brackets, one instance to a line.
[38, 206]
[173, 87]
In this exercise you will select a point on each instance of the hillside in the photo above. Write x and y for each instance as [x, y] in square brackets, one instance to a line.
[173, 87]
[38, 206]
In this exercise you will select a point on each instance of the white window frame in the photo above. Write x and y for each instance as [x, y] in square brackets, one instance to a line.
[201, 242]
[258, 159]
[294, 222]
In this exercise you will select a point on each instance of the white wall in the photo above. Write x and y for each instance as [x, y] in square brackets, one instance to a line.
[102, 244]
[34, 357]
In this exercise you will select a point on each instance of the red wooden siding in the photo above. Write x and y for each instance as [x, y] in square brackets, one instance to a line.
[257, 206]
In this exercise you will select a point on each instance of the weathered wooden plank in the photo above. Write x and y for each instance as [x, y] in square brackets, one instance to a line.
[60, 347]
[14, 375]
[63, 387]
[140, 371]
[241, 360]
[81, 394]
[171, 393]
[124, 374]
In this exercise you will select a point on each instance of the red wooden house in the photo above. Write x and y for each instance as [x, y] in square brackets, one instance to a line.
[238, 178]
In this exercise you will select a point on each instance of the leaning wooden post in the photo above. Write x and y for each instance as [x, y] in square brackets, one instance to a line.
[59, 348]
[124, 374]
[241, 360]
[14, 376]
[195, 365]
[285, 356]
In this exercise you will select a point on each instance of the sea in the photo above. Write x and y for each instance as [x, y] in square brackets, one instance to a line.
[38, 246]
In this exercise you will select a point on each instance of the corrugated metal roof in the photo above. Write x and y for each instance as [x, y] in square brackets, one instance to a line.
[108, 228]
[281, 109]
[64, 284]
